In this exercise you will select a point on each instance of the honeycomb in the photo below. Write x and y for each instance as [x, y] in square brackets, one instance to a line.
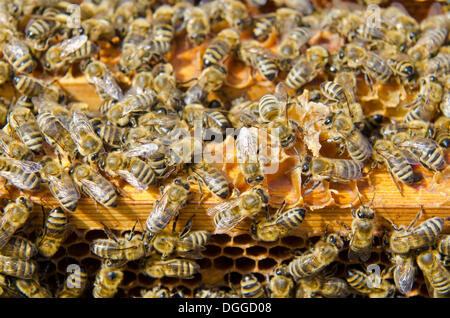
[225, 259]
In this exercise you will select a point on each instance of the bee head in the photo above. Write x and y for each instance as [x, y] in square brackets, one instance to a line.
[306, 164]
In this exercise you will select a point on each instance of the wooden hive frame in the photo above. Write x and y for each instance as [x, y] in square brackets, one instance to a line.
[88, 218]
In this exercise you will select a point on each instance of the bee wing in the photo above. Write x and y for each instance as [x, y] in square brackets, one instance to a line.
[6, 232]
[17, 49]
[80, 124]
[247, 145]
[224, 206]
[3, 144]
[160, 205]
[132, 180]
[70, 45]
[144, 150]
[108, 84]
[64, 185]
[26, 166]
[227, 223]
[420, 145]
[92, 189]
[134, 104]
[404, 277]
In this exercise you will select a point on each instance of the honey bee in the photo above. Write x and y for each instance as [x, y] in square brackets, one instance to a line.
[20, 173]
[280, 285]
[56, 133]
[229, 214]
[93, 184]
[163, 29]
[359, 281]
[197, 25]
[18, 56]
[253, 54]
[32, 289]
[263, 26]
[187, 243]
[68, 52]
[399, 18]
[98, 29]
[437, 277]
[164, 84]
[429, 43]
[98, 74]
[404, 271]
[426, 150]
[137, 32]
[8, 288]
[322, 286]
[31, 87]
[282, 20]
[306, 67]
[397, 162]
[415, 128]
[376, 68]
[251, 287]
[212, 178]
[19, 247]
[246, 148]
[424, 107]
[289, 48]
[363, 227]
[133, 170]
[54, 233]
[15, 214]
[40, 29]
[221, 46]
[271, 229]
[23, 122]
[438, 65]
[341, 128]
[212, 120]
[111, 135]
[211, 79]
[120, 112]
[60, 184]
[133, 246]
[88, 143]
[236, 14]
[443, 247]
[156, 292]
[74, 284]
[25, 269]
[176, 267]
[403, 240]
[13, 148]
[173, 198]
[123, 15]
[107, 281]
[314, 260]
[338, 170]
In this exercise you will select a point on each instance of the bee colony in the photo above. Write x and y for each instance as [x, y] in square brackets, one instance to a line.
[260, 148]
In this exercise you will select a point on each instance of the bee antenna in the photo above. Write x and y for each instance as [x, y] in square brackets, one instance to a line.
[371, 201]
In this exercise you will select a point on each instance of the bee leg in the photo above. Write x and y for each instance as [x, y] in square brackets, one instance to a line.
[200, 189]
[418, 216]
[395, 182]
[296, 125]
[315, 185]
[283, 205]
[369, 81]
